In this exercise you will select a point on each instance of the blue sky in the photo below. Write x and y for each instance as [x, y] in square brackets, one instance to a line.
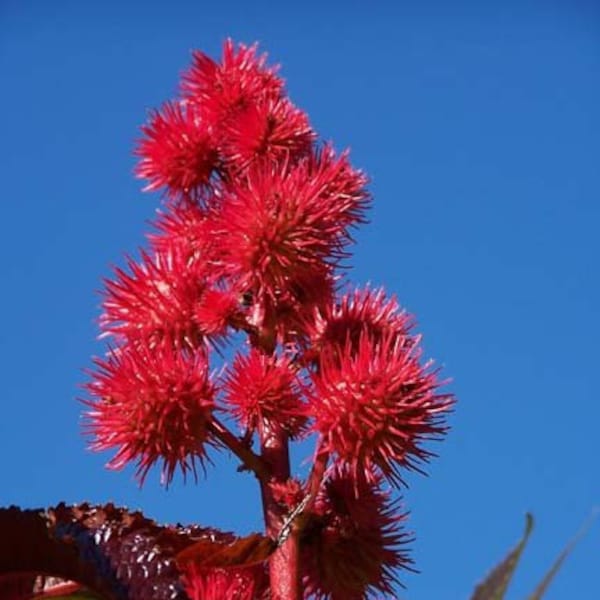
[480, 128]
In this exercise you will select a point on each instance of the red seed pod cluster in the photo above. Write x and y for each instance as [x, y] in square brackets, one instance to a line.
[250, 243]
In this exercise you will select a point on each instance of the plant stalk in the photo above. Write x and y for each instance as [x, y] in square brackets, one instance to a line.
[284, 564]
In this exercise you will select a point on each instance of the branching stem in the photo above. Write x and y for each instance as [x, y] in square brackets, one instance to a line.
[251, 460]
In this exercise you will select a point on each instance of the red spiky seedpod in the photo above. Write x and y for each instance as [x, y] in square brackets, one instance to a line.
[184, 228]
[217, 310]
[374, 404]
[354, 543]
[236, 583]
[241, 79]
[156, 301]
[236, 570]
[178, 151]
[269, 131]
[151, 406]
[261, 388]
[285, 223]
[363, 310]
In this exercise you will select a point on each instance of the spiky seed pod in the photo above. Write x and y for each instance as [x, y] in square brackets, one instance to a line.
[262, 388]
[155, 302]
[375, 405]
[181, 228]
[305, 294]
[288, 222]
[151, 406]
[270, 131]
[178, 152]
[241, 79]
[362, 310]
[354, 543]
[217, 310]
[234, 583]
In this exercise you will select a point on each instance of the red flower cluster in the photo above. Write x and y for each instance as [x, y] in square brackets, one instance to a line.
[257, 222]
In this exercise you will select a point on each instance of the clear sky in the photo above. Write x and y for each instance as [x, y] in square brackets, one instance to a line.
[479, 124]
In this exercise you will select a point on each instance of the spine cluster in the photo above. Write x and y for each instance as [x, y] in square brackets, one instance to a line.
[251, 243]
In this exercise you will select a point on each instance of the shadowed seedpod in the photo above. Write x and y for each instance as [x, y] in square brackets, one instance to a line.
[235, 570]
[356, 313]
[233, 583]
[304, 294]
[353, 544]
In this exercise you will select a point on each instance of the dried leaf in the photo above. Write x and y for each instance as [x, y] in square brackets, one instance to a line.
[248, 550]
[494, 586]
[547, 580]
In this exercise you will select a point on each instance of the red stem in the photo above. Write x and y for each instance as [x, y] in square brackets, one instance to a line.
[316, 475]
[250, 460]
[284, 563]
